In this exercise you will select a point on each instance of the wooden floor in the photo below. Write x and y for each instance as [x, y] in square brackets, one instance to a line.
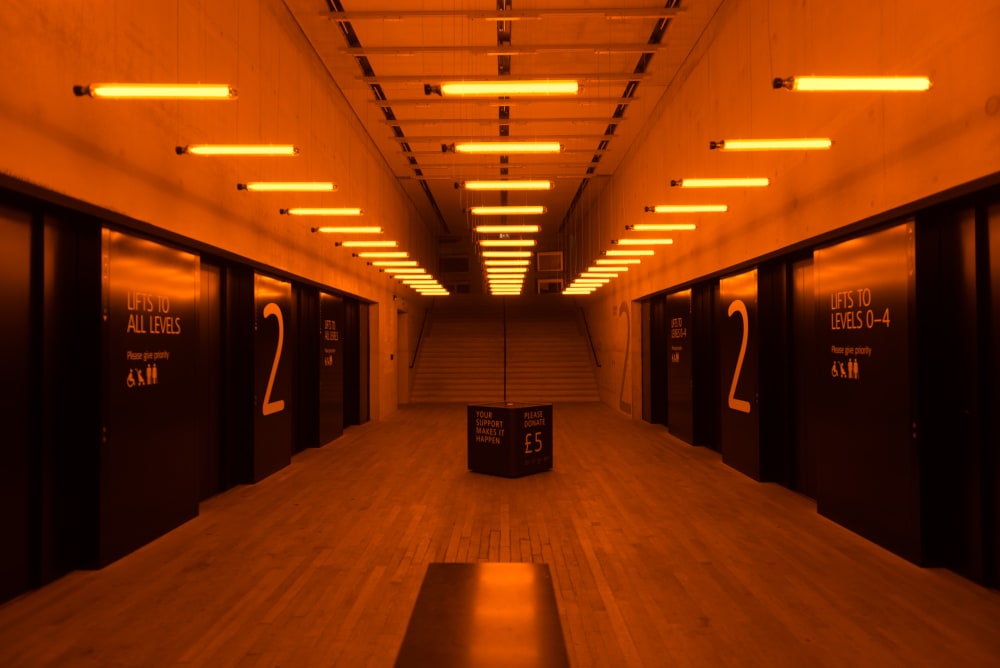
[659, 553]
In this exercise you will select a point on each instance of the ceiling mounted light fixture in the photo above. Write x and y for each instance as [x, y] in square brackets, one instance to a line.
[506, 229]
[661, 227]
[393, 263]
[509, 243]
[259, 150]
[524, 184]
[507, 263]
[322, 211]
[687, 208]
[503, 88]
[502, 147]
[501, 254]
[803, 144]
[526, 210]
[148, 91]
[506, 270]
[617, 260]
[749, 182]
[288, 186]
[857, 84]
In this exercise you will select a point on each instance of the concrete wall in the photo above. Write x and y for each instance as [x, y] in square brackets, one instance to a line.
[890, 149]
[119, 156]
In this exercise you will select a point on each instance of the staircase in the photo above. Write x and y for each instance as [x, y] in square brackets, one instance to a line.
[548, 354]
[461, 356]
[461, 352]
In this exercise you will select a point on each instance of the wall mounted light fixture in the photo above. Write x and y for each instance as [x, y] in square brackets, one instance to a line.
[801, 144]
[687, 208]
[404, 270]
[322, 211]
[288, 186]
[373, 243]
[347, 229]
[608, 267]
[636, 252]
[661, 227]
[150, 91]
[382, 254]
[864, 83]
[642, 242]
[259, 150]
[749, 182]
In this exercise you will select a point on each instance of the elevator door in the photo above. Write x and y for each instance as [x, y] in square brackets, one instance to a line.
[15, 349]
[804, 356]
[211, 477]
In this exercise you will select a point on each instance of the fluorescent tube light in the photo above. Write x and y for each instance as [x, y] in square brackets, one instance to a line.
[148, 91]
[864, 83]
[804, 144]
[261, 150]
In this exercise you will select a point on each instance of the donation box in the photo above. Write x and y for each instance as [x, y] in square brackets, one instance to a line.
[510, 439]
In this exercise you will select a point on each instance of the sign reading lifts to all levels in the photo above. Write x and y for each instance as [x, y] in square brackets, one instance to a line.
[148, 314]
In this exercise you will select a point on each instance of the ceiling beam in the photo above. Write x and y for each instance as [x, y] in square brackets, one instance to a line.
[454, 159]
[553, 177]
[583, 78]
[437, 139]
[520, 50]
[493, 102]
[610, 13]
[564, 120]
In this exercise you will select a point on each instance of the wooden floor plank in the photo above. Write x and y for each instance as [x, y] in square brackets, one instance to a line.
[659, 555]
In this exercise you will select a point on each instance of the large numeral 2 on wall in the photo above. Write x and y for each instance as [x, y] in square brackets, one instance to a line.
[272, 407]
[623, 310]
[740, 405]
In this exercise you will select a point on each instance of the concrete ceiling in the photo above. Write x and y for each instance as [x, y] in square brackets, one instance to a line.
[382, 53]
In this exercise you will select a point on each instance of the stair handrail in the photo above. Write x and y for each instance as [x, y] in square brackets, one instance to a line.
[586, 328]
[420, 334]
